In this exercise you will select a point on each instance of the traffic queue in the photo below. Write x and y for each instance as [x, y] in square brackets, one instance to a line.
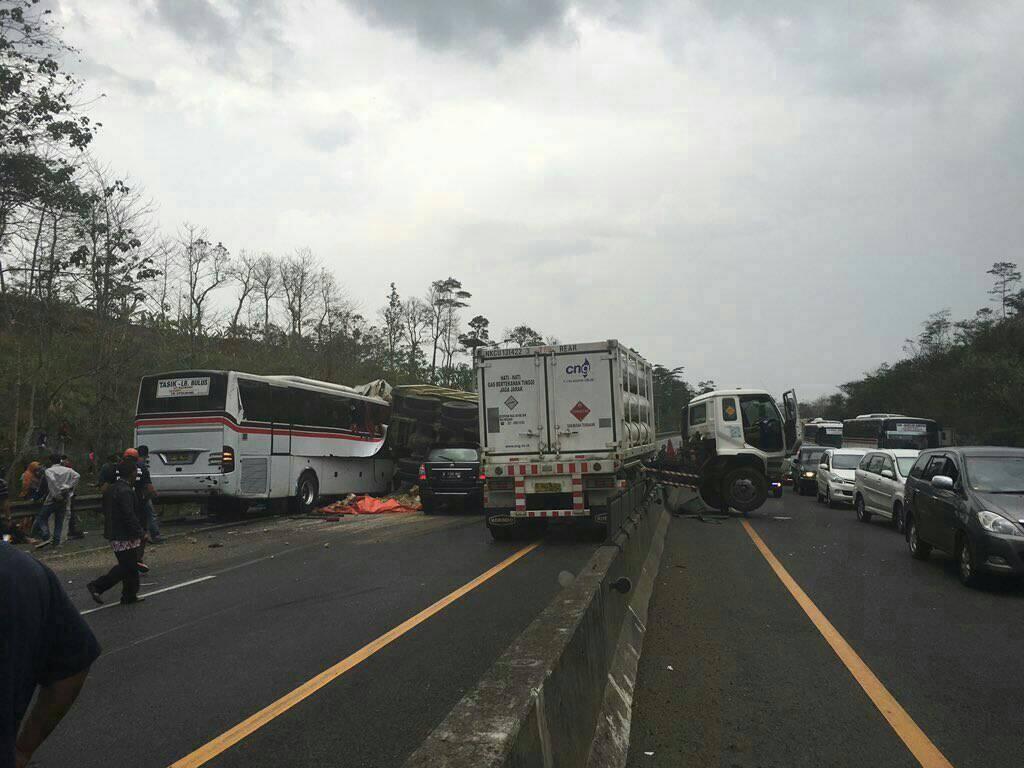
[965, 501]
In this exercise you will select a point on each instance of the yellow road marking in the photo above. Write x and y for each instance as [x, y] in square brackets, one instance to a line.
[927, 754]
[254, 722]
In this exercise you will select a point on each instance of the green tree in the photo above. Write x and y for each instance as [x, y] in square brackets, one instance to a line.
[523, 336]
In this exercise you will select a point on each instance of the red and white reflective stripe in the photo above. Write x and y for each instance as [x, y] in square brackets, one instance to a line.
[561, 468]
[577, 491]
[520, 494]
[551, 513]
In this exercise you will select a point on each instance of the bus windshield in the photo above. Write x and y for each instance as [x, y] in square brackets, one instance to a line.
[183, 392]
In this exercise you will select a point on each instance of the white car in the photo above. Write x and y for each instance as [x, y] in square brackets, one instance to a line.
[880, 480]
[835, 475]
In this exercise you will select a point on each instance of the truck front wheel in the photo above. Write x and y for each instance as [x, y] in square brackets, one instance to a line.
[745, 489]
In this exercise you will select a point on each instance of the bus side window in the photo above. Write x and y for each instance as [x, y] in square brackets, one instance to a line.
[256, 403]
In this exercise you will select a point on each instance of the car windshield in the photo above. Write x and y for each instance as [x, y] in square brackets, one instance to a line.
[996, 474]
[845, 461]
[810, 457]
[453, 454]
[905, 463]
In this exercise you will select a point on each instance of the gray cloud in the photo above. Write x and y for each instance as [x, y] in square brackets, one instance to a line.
[873, 48]
[479, 25]
[332, 134]
[95, 71]
[218, 36]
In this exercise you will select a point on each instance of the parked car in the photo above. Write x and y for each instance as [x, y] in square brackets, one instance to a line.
[879, 483]
[805, 468]
[968, 502]
[451, 473]
[835, 475]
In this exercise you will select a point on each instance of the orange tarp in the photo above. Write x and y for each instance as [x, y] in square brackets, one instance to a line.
[366, 505]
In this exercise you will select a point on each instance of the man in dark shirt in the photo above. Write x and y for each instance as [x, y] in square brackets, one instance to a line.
[122, 529]
[44, 643]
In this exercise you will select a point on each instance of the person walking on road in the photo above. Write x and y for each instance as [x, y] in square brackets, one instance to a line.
[44, 645]
[122, 529]
[61, 481]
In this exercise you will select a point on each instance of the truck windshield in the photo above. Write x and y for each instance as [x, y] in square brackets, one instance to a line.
[762, 423]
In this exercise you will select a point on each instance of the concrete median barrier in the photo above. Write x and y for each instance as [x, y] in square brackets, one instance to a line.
[560, 695]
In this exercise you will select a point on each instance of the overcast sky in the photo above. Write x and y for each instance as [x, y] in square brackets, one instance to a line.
[766, 197]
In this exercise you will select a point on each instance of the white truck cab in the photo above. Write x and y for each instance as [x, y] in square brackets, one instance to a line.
[738, 438]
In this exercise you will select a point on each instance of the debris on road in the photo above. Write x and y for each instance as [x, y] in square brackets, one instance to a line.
[409, 501]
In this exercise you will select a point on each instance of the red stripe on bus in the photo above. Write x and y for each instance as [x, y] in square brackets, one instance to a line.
[251, 430]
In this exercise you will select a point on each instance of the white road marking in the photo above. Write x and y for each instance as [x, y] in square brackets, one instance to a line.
[154, 592]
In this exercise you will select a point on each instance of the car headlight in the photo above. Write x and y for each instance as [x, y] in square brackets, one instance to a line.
[838, 479]
[994, 523]
[808, 474]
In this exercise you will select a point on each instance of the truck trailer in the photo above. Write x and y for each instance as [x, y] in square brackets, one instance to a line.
[563, 429]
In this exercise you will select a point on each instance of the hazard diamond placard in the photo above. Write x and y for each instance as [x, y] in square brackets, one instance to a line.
[580, 411]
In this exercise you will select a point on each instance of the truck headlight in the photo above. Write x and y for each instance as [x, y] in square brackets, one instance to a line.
[994, 523]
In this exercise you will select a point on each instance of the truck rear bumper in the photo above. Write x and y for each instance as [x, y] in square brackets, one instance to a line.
[527, 513]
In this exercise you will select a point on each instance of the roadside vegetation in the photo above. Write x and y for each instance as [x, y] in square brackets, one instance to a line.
[966, 374]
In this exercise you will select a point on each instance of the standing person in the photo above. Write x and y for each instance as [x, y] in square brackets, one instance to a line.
[30, 480]
[61, 481]
[122, 529]
[144, 488]
[44, 645]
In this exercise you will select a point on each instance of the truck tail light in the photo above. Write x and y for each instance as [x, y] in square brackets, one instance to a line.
[423, 471]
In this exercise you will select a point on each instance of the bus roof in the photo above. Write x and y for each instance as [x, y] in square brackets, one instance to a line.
[299, 382]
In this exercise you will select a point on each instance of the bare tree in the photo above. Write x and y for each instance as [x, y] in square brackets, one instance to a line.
[444, 300]
[204, 268]
[267, 277]
[298, 284]
[416, 318]
[243, 273]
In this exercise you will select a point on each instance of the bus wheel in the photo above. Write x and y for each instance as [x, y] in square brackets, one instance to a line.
[307, 492]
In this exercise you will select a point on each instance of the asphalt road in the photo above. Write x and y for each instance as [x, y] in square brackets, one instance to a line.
[288, 600]
[754, 683]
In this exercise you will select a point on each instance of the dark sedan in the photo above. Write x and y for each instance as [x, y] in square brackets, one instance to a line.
[451, 474]
[804, 469]
[968, 502]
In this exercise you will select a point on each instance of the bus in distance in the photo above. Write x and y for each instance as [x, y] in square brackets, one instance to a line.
[890, 430]
[823, 432]
[230, 438]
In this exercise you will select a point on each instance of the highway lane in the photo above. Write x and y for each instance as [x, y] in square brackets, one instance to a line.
[289, 600]
[755, 683]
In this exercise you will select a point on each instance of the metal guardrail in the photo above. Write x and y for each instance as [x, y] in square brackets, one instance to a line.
[21, 510]
[622, 507]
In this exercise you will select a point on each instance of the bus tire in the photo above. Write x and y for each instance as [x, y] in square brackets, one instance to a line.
[307, 493]
[745, 489]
